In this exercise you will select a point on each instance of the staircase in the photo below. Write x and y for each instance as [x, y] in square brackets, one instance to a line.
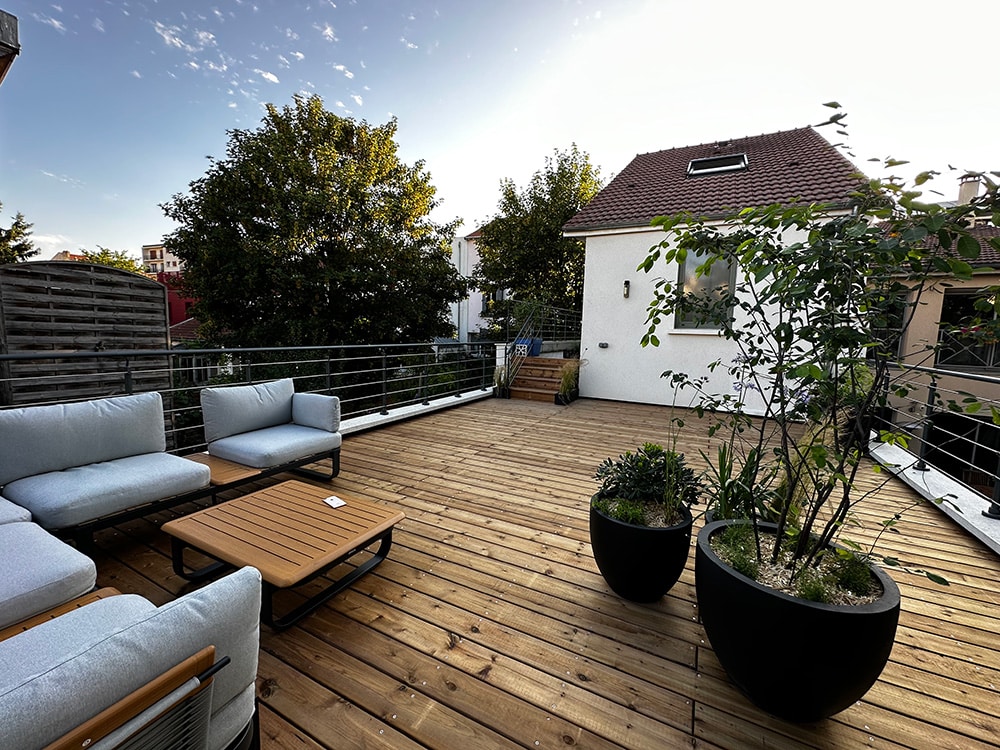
[538, 379]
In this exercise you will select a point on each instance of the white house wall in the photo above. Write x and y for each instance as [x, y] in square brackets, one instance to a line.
[624, 370]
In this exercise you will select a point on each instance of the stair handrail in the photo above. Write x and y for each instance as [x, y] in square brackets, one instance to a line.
[512, 357]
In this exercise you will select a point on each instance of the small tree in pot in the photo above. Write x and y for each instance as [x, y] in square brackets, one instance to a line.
[816, 315]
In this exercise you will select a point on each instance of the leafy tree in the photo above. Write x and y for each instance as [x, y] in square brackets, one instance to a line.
[522, 248]
[15, 245]
[312, 231]
[114, 258]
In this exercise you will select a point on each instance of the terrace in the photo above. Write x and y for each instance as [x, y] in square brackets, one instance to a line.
[490, 626]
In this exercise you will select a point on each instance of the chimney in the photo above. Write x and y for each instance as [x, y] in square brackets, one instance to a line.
[968, 188]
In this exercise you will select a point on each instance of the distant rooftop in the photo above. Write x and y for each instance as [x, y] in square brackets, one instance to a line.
[714, 179]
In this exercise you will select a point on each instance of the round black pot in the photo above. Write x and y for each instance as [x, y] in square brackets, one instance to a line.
[798, 660]
[640, 563]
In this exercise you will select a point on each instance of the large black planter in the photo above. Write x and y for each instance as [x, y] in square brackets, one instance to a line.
[798, 660]
[640, 563]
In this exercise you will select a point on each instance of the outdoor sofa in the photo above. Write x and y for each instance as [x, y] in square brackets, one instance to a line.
[270, 427]
[62, 672]
[79, 466]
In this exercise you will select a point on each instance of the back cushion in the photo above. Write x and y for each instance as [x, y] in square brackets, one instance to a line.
[244, 408]
[39, 439]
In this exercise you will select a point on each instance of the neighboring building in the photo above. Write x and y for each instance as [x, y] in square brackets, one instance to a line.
[468, 314]
[157, 259]
[67, 255]
[710, 180]
[165, 267]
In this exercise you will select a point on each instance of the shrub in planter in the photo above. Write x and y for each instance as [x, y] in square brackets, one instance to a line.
[640, 521]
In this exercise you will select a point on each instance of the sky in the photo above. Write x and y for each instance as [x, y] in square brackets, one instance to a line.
[113, 106]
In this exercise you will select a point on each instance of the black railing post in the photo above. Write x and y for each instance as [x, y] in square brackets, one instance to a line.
[928, 425]
[385, 385]
[128, 378]
[424, 372]
[994, 510]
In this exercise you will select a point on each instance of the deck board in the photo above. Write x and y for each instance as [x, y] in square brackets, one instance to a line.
[490, 626]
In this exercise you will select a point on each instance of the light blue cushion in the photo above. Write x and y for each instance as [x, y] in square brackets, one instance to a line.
[38, 572]
[39, 439]
[61, 499]
[274, 446]
[316, 410]
[244, 408]
[11, 513]
[64, 671]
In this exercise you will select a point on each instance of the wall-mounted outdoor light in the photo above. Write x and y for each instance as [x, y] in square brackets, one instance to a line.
[625, 289]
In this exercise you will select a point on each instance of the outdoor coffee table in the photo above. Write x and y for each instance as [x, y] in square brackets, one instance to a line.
[290, 535]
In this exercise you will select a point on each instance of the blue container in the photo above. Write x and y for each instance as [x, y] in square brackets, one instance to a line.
[528, 347]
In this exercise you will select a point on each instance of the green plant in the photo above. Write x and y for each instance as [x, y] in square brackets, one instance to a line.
[653, 480]
[816, 311]
[569, 377]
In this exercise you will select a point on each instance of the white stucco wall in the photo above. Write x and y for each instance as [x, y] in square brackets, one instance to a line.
[625, 371]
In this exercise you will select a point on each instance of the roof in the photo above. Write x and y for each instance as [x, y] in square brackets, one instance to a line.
[989, 256]
[781, 167]
[186, 330]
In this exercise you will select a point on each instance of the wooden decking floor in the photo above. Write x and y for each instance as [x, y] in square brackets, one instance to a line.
[489, 625]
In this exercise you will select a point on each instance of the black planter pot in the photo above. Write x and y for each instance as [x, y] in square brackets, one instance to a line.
[798, 660]
[640, 563]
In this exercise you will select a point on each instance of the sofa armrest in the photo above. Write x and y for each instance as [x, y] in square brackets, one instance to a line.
[316, 410]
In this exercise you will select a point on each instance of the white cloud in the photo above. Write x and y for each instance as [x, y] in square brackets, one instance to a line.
[266, 75]
[357, 99]
[193, 65]
[298, 56]
[408, 44]
[284, 61]
[64, 179]
[343, 69]
[136, 74]
[172, 37]
[327, 32]
[50, 21]
[232, 105]
[98, 24]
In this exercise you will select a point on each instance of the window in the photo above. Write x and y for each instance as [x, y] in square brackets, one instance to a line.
[708, 290]
[715, 164]
[964, 344]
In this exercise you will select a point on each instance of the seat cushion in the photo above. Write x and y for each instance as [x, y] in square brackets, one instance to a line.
[244, 408]
[274, 446]
[62, 499]
[11, 513]
[39, 572]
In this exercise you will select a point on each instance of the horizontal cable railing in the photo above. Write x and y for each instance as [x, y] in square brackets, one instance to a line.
[367, 379]
[950, 420]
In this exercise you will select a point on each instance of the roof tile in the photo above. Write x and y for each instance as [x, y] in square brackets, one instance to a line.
[788, 165]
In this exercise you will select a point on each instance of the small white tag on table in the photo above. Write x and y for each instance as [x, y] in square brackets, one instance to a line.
[333, 501]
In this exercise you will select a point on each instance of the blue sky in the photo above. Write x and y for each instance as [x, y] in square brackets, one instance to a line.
[113, 106]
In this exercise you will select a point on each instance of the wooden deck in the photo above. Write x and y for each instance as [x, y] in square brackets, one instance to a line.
[490, 627]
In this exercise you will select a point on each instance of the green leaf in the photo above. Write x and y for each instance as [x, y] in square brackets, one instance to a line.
[936, 578]
[968, 247]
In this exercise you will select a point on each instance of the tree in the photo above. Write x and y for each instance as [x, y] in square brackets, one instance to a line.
[15, 245]
[522, 248]
[114, 258]
[312, 231]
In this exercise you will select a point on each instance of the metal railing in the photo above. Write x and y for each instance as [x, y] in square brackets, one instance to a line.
[368, 379]
[951, 420]
[539, 323]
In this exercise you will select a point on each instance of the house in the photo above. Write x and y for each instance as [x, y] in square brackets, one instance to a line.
[711, 180]
[468, 314]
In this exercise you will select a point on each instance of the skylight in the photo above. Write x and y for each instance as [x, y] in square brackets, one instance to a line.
[713, 164]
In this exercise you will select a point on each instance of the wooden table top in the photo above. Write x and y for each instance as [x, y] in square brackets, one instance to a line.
[223, 471]
[287, 532]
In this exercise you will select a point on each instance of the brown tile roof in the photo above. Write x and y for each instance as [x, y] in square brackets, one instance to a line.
[989, 256]
[186, 330]
[791, 164]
